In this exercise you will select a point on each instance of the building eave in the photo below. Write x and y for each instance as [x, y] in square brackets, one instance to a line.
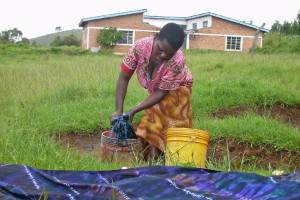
[205, 15]
[85, 20]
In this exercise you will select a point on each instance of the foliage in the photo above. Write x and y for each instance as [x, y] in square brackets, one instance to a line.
[70, 40]
[58, 29]
[24, 41]
[13, 35]
[108, 37]
[287, 28]
[277, 43]
[12, 49]
[56, 42]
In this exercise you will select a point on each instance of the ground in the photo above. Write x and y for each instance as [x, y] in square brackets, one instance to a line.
[263, 156]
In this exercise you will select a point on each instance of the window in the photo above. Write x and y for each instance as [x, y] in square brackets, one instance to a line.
[127, 37]
[233, 43]
[194, 26]
[205, 24]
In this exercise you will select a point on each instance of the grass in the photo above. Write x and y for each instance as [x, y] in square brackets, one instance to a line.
[43, 96]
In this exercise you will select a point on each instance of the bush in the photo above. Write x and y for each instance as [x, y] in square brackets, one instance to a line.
[109, 37]
[276, 43]
[12, 49]
[70, 40]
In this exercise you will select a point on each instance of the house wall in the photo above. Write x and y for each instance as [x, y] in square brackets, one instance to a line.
[199, 22]
[129, 22]
[162, 22]
[214, 37]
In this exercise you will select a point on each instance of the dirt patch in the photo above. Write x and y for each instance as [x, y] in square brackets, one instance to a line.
[83, 144]
[264, 156]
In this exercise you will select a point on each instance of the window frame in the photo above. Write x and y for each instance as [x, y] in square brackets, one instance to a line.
[235, 43]
[205, 22]
[128, 35]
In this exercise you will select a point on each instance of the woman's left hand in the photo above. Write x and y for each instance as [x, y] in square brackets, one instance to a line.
[130, 114]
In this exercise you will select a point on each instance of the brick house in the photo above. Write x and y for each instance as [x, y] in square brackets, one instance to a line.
[203, 31]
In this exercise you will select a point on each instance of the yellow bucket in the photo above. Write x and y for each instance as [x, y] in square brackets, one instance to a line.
[186, 145]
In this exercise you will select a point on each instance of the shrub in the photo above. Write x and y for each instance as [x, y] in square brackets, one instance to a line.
[109, 37]
[276, 43]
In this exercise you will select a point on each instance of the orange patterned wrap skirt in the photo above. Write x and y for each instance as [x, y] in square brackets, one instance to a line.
[173, 111]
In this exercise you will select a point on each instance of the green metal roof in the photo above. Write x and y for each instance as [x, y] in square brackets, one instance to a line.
[85, 20]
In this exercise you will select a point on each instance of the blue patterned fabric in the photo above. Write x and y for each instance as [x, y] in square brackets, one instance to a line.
[157, 182]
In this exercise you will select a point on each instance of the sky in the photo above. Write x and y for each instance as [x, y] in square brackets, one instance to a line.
[40, 17]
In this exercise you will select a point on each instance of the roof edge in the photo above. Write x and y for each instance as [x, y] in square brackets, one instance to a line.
[164, 17]
[238, 22]
[203, 15]
[85, 20]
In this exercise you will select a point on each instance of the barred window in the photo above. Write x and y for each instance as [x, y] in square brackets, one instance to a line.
[194, 26]
[127, 37]
[233, 43]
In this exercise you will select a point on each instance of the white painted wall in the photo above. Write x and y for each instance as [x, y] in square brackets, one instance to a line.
[189, 23]
[199, 22]
[162, 22]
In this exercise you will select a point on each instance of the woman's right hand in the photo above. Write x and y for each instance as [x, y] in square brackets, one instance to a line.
[115, 114]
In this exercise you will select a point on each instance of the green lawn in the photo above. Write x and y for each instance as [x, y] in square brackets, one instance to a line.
[52, 94]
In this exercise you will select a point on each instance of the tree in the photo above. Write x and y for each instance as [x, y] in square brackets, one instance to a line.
[56, 42]
[13, 35]
[16, 35]
[276, 27]
[109, 37]
[295, 28]
[58, 29]
[71, 40]
[5, 37]
[24, 41]
[286, 28]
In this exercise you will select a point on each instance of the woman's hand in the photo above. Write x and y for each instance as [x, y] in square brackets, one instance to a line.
[115, 114]
[131, 114]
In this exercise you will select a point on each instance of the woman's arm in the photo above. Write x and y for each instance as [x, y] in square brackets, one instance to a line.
[121, 90]
[149, 101]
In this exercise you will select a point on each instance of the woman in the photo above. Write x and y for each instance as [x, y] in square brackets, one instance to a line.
[160, 67]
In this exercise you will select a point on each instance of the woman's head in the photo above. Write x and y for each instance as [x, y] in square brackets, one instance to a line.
[173, 34]
[169, 40]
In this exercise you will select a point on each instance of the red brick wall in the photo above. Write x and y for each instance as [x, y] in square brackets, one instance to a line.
[222, 27]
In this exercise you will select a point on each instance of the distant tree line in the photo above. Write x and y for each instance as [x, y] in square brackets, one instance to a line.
[70, 40]
[282, 38]
[16, 36]
[287, 28]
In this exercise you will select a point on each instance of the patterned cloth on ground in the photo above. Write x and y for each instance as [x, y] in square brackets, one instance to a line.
[156, 182]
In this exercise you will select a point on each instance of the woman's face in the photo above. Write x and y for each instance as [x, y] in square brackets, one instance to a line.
[162, 50]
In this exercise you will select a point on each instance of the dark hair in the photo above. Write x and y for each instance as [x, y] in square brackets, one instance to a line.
[173, 33]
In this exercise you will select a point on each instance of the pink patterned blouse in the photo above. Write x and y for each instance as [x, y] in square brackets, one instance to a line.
[171, 75]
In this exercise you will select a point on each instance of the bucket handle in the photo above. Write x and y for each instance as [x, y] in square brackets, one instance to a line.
[192, 139]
